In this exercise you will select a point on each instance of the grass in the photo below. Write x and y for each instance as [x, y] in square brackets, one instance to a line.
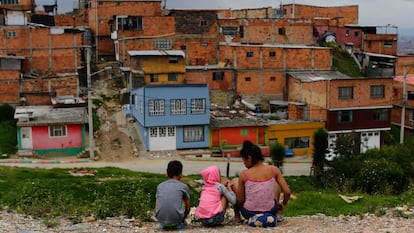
[47, 193]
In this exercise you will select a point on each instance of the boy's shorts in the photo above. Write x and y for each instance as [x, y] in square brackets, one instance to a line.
[213, 221]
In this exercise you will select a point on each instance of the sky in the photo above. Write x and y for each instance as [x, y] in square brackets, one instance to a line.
[371, 12]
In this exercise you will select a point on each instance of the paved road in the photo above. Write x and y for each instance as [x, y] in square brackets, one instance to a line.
[291, 168]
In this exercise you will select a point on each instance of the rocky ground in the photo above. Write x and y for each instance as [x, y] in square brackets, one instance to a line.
[15, 223]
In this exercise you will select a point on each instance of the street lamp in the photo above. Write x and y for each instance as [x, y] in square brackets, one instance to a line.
[90, 113]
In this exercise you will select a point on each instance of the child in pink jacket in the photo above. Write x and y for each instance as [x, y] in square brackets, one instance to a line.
[213, 198]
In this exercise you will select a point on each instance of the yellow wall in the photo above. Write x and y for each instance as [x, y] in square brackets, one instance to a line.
[297, 129]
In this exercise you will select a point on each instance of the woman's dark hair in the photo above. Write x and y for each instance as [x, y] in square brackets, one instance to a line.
[175, 168]
[251, 149]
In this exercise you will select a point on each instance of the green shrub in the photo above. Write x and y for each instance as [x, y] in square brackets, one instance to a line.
[6, 112]
[277, 152]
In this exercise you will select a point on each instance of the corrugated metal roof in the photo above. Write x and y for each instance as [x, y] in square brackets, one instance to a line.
[178, 53]
[47, 115]
[318, 75]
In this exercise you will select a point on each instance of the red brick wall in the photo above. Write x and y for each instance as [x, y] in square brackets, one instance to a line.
[9, 86]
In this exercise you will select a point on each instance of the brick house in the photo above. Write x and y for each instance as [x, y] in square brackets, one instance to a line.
[396, 114]
[361, 105]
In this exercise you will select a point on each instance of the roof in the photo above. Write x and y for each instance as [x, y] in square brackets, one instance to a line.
[178, 53]
[379, 55]
[308, 76]
[47, 115]
[234, 118]
[409, 79]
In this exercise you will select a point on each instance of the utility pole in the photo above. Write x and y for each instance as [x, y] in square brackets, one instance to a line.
[90, 113]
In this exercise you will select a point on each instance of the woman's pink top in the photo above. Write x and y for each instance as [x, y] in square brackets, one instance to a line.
[259, 194]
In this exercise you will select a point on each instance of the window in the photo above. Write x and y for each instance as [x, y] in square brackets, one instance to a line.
[244, 132]
[410, 95]
[11, 34]
[380, 114]
[173, 60]
[273, 79]
[249, 54]
[203, 44]
[183, 47]
[388, 44]
[356, 34]
[171, 131]
[203, 23]
[130, 23]
[272, 54]
[163, 44]
[156, 107]
[198, 106]
[193, 134]
[153, 132]
[282, 31]
[57, 131]
[247, 79]
[172, 77]
[153, 78]
[162, 132]
[345, 116]
[377, 91]
[346, 93]
[411, 115]
[218, 76]
[297, 142]
[9, 2]
[178, 106]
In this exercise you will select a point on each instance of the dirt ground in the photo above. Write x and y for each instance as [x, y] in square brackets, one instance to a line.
[114, 141]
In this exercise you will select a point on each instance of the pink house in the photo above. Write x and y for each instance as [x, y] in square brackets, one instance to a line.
[43, 129]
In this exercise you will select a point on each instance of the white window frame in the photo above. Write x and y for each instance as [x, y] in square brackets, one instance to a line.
[198, 106]
[57, 131]
[11, 34]
[193, 133]
[178, 106]
[163, 44]
[156, 107]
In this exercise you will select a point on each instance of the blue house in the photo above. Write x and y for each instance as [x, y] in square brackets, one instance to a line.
[172, 116]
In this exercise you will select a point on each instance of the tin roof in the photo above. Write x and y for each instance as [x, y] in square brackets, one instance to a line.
[307, 76]
[221, 118]
[178, 53]
[47, 115]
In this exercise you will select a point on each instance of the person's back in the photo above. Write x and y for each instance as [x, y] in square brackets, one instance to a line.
[259, 188]
[170, 196]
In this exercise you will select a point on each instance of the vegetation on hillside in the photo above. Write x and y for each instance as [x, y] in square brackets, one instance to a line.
[343, 61]
[8, 131]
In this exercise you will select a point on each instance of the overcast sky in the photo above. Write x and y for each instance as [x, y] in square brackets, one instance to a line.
[371, 12]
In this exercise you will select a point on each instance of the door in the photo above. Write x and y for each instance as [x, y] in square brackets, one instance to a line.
[162, 138]
[26, 137]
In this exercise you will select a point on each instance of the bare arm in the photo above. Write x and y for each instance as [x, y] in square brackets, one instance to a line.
[284, 187]
[239, 189]
[187, 207]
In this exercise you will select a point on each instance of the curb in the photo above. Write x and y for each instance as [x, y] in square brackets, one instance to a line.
[26, 161]
[238, 160]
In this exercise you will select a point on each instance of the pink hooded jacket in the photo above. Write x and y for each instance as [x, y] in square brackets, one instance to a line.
[210, 197]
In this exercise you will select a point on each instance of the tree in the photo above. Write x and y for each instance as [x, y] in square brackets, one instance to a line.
[277, 152]
[320, 145]
[348, 145]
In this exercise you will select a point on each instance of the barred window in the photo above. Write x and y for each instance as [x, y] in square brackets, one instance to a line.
[163, 44]
[346, 93]
[178, 106]
[172, 77]
[130, 23]
[156, 107]
[193, 134]
[198, 106]
[378, 91]
[9, 2]
[57, 131]
[153, 78]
